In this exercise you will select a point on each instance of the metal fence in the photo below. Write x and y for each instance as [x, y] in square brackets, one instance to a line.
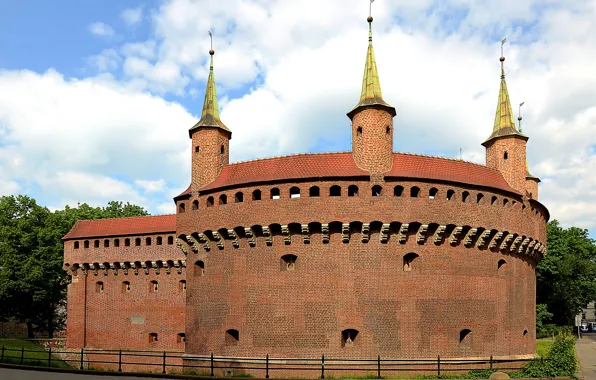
[211, 365]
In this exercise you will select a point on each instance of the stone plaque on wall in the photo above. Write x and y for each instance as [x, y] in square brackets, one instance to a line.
[137, 320]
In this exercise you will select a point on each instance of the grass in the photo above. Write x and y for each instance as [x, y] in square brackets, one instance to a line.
[543, 346]
[12, 354]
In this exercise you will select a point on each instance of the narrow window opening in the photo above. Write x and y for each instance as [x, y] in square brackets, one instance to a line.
[182, 285]
[239, 197]
[450, 194]
[181, 338]
[138, 242]
[153, 338]
[256, 195]
[398, 191]
[99, 287]
[294, 192]
[222, 149]
[125, 287]
[433, 193]
[352, 191]
[493, 200]
[525, 333]
[314, 191]
[181, 208]
[335, 191]
[170, 240]
[232, 337]
[106, 243]
[408, 260]
[148, 241]
[505, 201]
[153, 286]
[197, 149]
[348, 337]
[414, 191]
[479, 197]
[501, 264]
[158, 240]
[376, 191]
[223, 199]
[96, 244]
[505, 155]
[464, 196]
[127, 242]
[288, 262]
[195, 204]
[76, 245]
[116, 242]
[199, 268]
[388, 129]
[359, 131]
[464, 336]
[275, 193]
[210, 202]
[86, 244]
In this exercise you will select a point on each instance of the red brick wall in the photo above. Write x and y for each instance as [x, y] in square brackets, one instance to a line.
[514, 167]
[358, 285]
[208, 162]
[532, 188]
[373, 147]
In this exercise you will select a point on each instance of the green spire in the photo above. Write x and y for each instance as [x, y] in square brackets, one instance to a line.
[210, 115]
[529, 175]
[371, 85]
[504, 123]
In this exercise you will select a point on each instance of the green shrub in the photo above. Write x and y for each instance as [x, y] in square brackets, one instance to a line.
[560, 360]
[548, 331]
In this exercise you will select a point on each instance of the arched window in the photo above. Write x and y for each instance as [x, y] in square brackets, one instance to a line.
[138, 242]
[106, 243]
[256, 195]
[314, 191]
[288, 262]
[153, 338]
[181, 208]
[348, 337]
[398, 191]
[195, 204]
[127, 242]
[335, 191]
[116, 242]
[450, 194]
[294, 192]
[158, 240]
[170, 240]
[493, 200]
[125, 287]
[275, 193]
[352, 191]
[86, 244]
[76, 245]
[199, 268]
[210, 202]
[223, 199]
[501, 265]
[148, 241]
[359, 131]
[464, 336]
[414, 191]
[96, 244]
[432, 193]
[153, 286]
[232, 337]
[99, 287]
[181, 338]
[239, 197]
[505, 201]
[464, 196]
[182, 285]
[479, 197]
[376, 191]
[526, 334]
[408, 260]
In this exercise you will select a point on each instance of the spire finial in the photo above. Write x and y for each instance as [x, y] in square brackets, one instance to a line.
[519, 117]
[370, 20]
[502, 59]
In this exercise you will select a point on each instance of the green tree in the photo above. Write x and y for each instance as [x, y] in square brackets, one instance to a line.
[566, 276]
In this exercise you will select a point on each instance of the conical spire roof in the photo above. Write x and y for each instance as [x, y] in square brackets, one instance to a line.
[529, 175]
[210, 115]
[504, 123]
[371, 85]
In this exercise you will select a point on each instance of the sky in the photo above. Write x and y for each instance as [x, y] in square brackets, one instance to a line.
[96, 97]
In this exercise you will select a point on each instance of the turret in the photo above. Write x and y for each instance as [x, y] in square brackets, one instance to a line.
[506, 146]
[372, 120]
[210, 138]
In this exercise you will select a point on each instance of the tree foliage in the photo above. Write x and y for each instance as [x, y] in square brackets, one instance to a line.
[566, 276]
[32, 280]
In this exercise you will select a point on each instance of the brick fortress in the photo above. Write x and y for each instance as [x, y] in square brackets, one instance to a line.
[353, 254]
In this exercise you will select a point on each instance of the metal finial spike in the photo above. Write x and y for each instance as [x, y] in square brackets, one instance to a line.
[370, 10]
[519, 118]
[211, 51]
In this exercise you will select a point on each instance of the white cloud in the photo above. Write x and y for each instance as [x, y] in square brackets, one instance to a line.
[151, 186]
[101, 29]
[132, 16]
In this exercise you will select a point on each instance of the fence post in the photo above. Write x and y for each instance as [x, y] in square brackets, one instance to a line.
[164, 363]
[267, 366]
[22, 354]
[2, 353]
[323, 366]
[82, 358]
[120, 361]
[378, 366]
[438, 366]
[491, 362]
[50, 357]
[212, 364]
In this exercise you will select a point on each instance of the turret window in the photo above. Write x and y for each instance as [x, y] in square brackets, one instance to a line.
[106, 243]
[158, 240]
[197, 149]
[195, 204]
[388, 129]
[127, 242]
[505, 155]
[359, 131]
[222, 149]
[352, 191]
[86, 243]
[138, 242]
[76, 245]
[181, 208]
[116, 242]
[96, 243]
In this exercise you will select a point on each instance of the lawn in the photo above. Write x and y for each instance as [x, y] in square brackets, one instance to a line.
[543, 346]
[12, 354]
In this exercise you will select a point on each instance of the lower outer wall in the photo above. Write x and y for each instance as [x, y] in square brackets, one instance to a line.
[337, 286]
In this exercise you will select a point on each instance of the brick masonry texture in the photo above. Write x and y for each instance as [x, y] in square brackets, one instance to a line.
[372, 140]
[513, 167]
[208, 162]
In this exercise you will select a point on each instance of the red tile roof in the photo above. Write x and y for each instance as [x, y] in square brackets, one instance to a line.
[326, 165]
[138, 225]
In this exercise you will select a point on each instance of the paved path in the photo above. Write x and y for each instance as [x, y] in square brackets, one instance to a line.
[586, 352]
[21, 374]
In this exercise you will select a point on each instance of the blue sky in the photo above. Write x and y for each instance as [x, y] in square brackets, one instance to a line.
[97, 97]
